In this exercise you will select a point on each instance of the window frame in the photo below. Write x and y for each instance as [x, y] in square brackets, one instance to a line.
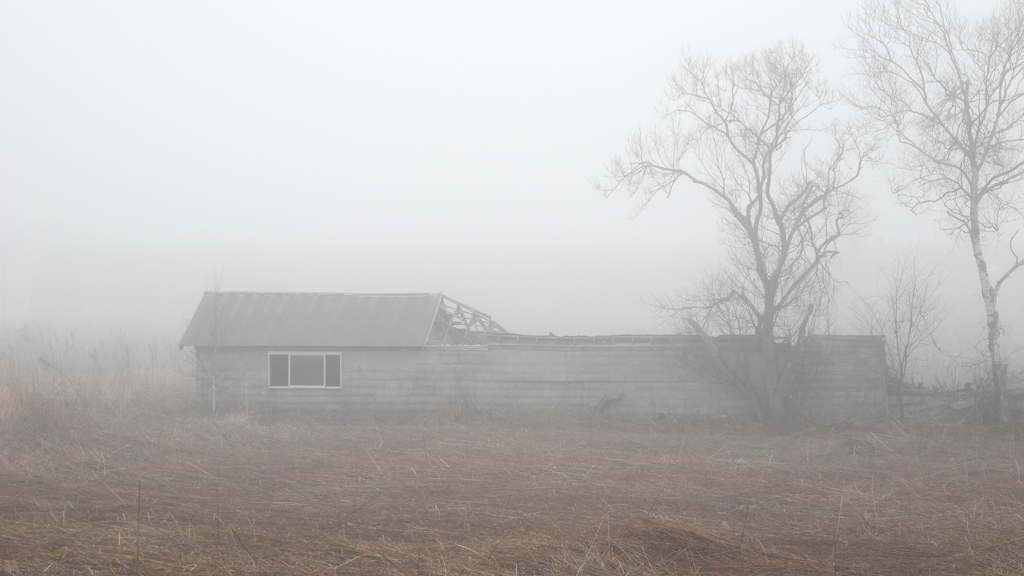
[289, 386]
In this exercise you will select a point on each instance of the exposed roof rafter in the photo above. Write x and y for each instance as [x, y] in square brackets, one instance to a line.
[458, 324]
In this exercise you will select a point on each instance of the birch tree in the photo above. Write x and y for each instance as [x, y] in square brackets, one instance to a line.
[949, 91]
[757, 136]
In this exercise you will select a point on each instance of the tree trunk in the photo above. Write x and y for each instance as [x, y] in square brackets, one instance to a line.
[992, 321]
[769, 378]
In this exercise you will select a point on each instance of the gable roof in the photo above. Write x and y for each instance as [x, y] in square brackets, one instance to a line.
[267, 319]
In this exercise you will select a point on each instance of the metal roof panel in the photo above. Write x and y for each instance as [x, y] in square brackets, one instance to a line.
[267, 319]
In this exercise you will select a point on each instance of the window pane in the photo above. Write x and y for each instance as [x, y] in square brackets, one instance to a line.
[334, 371]
[307, 370]
[278, 369]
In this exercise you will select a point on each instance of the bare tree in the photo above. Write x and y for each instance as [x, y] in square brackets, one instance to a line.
[207, 329]
[756, 135]
[222, 368]
[706, 304]
[908, 310]
[950, 92]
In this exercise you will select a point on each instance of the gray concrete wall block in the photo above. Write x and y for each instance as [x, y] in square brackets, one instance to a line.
[847, 375]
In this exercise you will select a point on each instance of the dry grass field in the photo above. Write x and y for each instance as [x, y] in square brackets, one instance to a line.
[549, 495]
[107, 468]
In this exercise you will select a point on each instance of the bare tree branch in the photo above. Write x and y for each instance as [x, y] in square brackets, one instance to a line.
[908, 310]
[756, 134]
[949, 92]
[1017, 263]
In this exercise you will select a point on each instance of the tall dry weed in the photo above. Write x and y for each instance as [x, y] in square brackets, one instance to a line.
[51, 379]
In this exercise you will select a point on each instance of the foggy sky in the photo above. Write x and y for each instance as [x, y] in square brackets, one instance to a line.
[376, 147]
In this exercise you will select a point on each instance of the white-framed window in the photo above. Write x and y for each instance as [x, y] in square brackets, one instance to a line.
[304, 370]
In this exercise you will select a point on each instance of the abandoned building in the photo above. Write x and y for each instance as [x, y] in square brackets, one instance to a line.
[261, 350]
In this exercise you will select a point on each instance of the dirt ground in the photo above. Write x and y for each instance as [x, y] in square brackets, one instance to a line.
[551, 495]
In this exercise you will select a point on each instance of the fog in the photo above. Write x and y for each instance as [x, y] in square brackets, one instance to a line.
[146, 149]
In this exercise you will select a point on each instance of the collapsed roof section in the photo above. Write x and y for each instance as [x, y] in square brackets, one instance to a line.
[616, 340]
[458, 324]
[290, 319]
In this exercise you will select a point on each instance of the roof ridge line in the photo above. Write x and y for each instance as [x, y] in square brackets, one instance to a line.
[269, 293]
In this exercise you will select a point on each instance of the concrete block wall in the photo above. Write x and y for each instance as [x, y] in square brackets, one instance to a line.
[845, 377]
[633, 380]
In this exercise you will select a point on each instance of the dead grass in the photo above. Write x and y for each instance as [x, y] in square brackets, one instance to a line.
[542, 496]
[85, 423]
